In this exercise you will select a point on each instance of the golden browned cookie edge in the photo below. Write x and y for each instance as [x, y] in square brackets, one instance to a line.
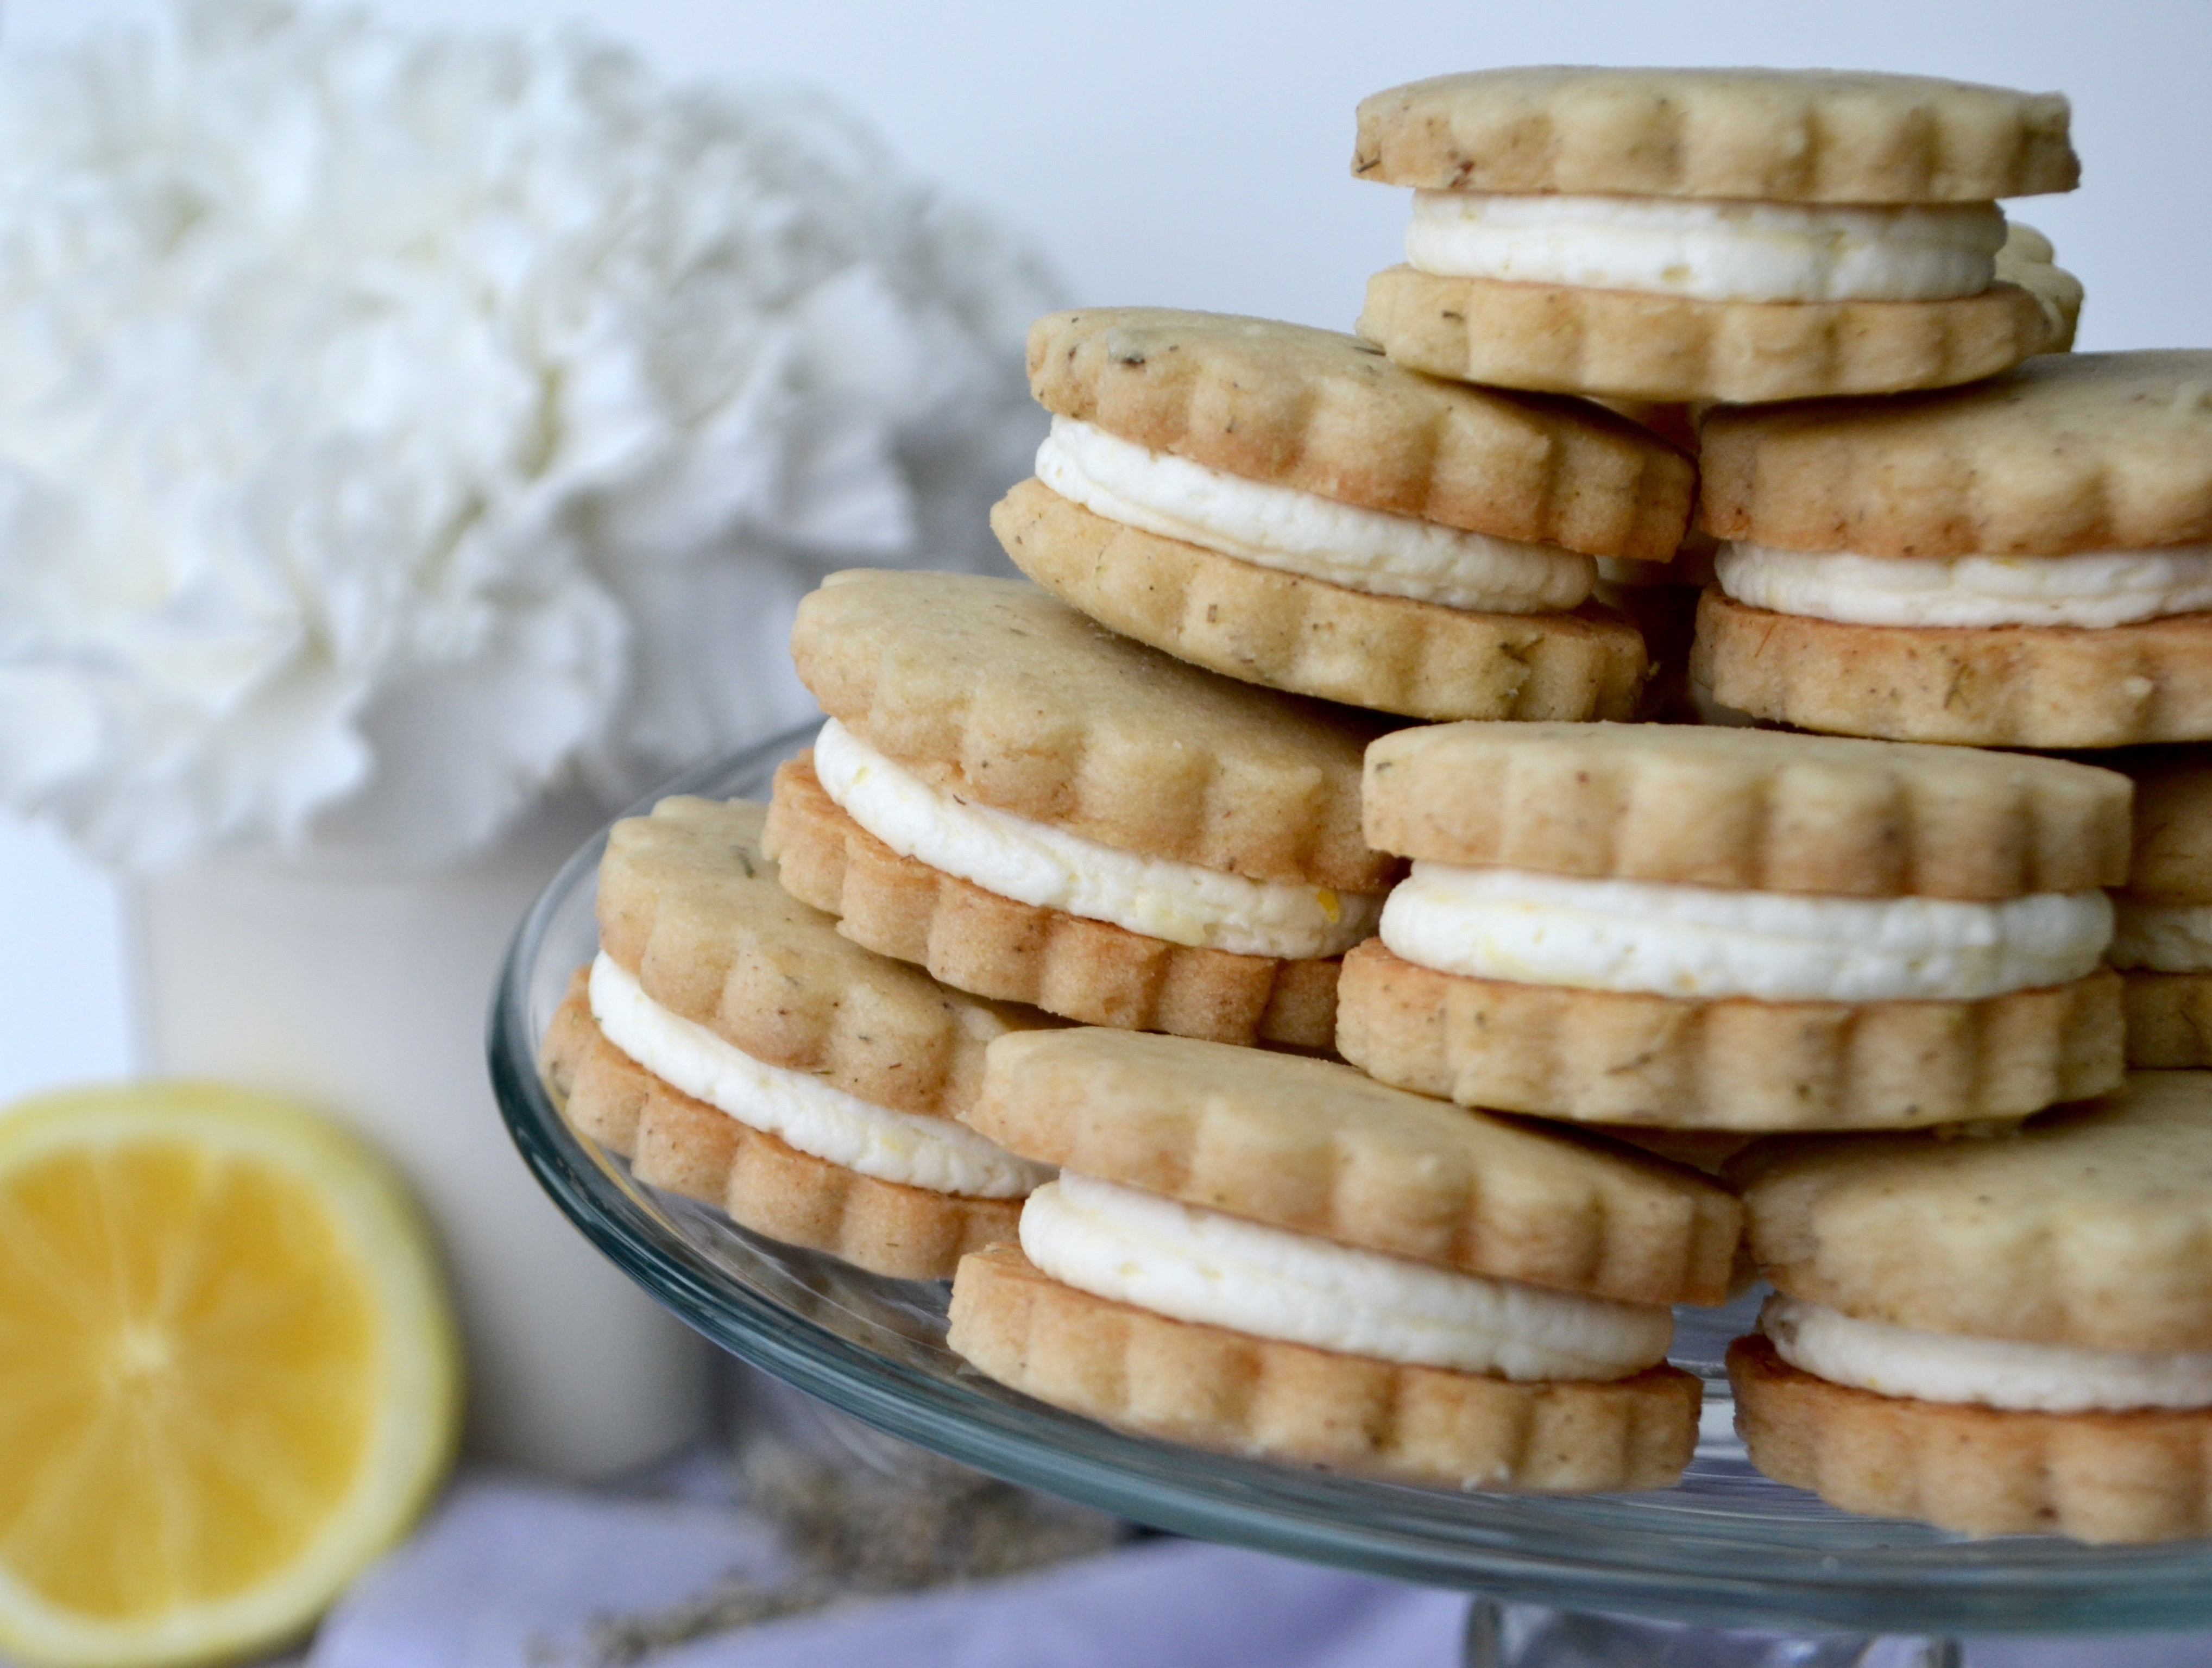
[1610, 1057]
[1214, 1388]
[1310, 638]
[976, 940]
[2097, 1477]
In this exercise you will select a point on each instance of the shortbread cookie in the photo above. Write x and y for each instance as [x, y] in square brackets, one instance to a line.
[687, 1147]
[1277, 1255]
[689, 902]
[1799, 135]
[1214, 1388]
[737, 1049]
[2089, 1226]
[2067, 454]
[2144, 1475]
[1286, 505]
[2027, 563]
[2013, 686]
[1569, 339]
[1747, 809]
[1732, 930]
[1999, 1334]
[993, 689]
[2028, 260]
[1327, 414]
[1651, 1061]
[1290, 631]
[977, 940]
[1734, 234]
[2163, 934]
[1316, 1148]
[1056, 810]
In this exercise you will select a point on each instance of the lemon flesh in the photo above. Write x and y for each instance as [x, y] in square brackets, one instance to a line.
[227, 1372]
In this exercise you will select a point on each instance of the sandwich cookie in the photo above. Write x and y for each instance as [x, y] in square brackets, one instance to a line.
[1286, 505]
[737, 1050]
[1277, 1256]
[1716, 234]
[2162, 937]
[2000, 1336]
[1737, 930]
[1038, 810]
[2025, 563]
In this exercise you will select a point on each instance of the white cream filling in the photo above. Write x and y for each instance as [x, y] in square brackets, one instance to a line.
[2100, 588]
[2162, 937]
[1948, 1367]
[799, 1109]
[1052, 868]
[1709, 250]
[1202, 1266]
[1697, 941]
[1301, 532]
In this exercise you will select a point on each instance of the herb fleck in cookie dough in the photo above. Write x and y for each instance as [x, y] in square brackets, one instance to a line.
[1999, 1336]
[1286, 505]
[1715, 234]
[1270, 1255]
[2024, 563]
[737, 1050]
[1038, 810]
[1720, 929]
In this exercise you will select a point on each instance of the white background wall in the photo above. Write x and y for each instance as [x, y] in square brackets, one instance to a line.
[1193, 154]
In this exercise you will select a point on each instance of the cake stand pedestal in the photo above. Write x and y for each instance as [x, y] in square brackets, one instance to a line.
[1501, 1634]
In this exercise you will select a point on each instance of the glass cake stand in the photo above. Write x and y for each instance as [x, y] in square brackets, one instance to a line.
[1727, 1549]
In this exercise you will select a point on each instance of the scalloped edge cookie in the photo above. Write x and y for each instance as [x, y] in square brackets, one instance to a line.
[997, 690]
[1626, 345]
[1785, 136]
[689, 903]
[685, 1146]
[1747, 809]
[1315, 1148]
[2089, 1226]
[1330, 414]
[1610, 1057]
[1311, 638]
[2169, 1017]
[2029, 259]
[2111, 1477]
[1211, 1388]
[976, 940]
[2067, 453]
[2007, 686]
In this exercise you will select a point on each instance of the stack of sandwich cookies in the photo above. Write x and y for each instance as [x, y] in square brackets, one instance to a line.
[737, 1050]
[2000, 1336]
[1739, 929]
[2024, 563]
[2162, 936]
[1038, 810]
[1715, 234]
[1286, 505]
[1265, 1254]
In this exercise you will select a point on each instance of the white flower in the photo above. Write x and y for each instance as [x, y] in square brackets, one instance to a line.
[394, 425]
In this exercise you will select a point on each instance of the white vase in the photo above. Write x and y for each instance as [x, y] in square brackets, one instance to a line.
[361, 989]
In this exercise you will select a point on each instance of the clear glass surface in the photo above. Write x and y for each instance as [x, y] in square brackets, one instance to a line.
[1727, 1547]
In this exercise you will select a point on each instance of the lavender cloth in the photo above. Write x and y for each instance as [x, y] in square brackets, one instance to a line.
[511, 1575]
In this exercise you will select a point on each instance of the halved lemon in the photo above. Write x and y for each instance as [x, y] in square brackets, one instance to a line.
[229, 1372]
